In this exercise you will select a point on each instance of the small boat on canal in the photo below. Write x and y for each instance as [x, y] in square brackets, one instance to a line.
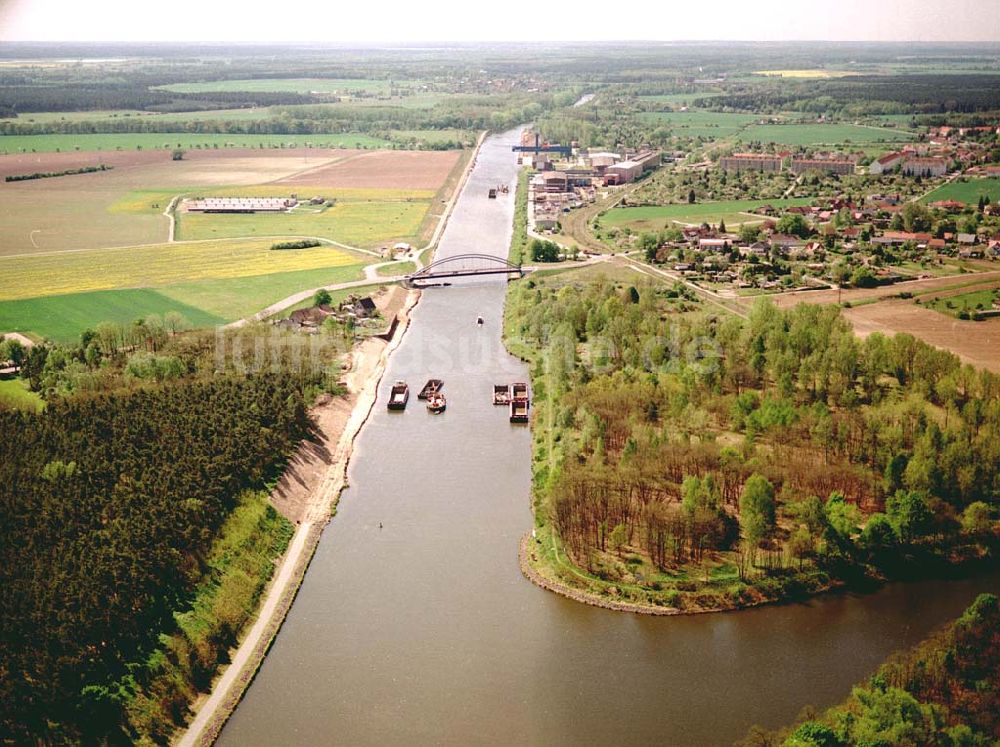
[432, 387]
[436, 403]
[399, 395]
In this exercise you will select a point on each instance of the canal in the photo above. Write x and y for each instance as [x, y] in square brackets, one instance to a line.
[414, 625]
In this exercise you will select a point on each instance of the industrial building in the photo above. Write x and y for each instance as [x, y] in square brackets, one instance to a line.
[240, 204]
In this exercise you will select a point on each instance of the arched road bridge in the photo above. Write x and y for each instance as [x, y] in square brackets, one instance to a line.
[464, 265]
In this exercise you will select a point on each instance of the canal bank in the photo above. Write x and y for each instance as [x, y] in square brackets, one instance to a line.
[414, 624]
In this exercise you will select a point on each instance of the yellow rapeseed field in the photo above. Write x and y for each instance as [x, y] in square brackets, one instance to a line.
[31, 276]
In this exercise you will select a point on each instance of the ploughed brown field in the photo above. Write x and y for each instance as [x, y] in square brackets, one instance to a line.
[391, 169]
[977, 343]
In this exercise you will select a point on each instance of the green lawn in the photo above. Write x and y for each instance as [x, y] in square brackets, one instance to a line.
[825, 134]
[655, 217]
[679, 99]
[966, 191]
[151, 140]
[15, 393]
[293, 85]
[63, 318]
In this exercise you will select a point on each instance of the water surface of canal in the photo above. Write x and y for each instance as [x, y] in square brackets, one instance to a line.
[425, 632]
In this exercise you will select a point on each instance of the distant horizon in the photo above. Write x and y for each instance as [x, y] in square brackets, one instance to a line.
[424, 43]
[558, 21]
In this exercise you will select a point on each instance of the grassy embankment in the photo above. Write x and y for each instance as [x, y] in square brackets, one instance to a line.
[241, 562]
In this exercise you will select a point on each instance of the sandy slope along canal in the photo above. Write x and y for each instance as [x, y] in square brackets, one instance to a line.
[425, 632]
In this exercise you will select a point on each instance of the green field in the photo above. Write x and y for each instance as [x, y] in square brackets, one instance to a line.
[292, 85]
[364, 224]
[653, 218]
[235, 298]
[981, 300]
[63, 318]
[678, 99]
[151, 140]
[15, 393]
[59, 273]
[821, 134]
[699, 123]
[203, 303]
[966, 191]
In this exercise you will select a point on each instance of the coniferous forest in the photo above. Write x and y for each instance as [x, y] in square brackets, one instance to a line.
[111, 503]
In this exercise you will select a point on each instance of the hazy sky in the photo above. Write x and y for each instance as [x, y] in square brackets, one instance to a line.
[454, 20]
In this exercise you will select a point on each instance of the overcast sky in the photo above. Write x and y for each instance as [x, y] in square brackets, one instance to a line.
[452, 20]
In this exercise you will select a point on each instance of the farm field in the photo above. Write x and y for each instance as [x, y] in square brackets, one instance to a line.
[678, 99]
[812, 73]
[203, 303]
[292, 85]
[425, 170]
[817, 134]
[700, 123]
[63, 317]
[364, 224]
[977, 343]
[966, 191]
[37, 275]
[117, 115]
[654, 217]
[10, 144]
[124, 206]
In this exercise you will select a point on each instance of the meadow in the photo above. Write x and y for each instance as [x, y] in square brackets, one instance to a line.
[31, 276]
[821, 134]
[968, 191]
[655, 217]
[152, 140]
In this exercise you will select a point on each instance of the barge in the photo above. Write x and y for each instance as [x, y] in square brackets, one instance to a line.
[501, 394]
[432, 387]
[399, 395]
[519, 402]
